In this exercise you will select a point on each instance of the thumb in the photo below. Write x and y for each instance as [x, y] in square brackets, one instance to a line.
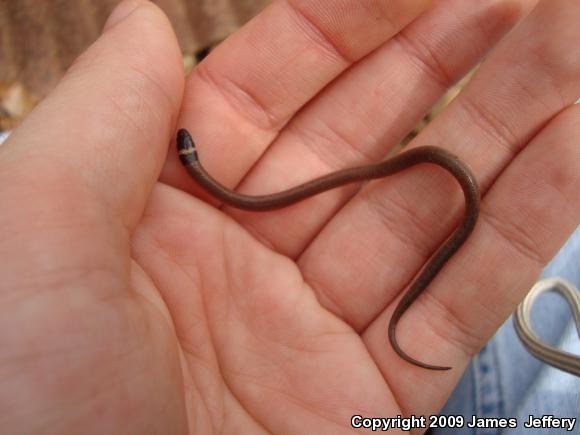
[106, 127]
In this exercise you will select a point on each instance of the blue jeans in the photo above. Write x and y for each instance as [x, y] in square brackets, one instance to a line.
[504, 380]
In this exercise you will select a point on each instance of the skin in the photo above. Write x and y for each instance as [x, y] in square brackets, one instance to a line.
[130, 304]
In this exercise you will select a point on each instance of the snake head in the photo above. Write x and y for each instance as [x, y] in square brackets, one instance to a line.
[186, 146]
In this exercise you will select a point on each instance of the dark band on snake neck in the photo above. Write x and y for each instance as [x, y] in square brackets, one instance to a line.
[400, 162]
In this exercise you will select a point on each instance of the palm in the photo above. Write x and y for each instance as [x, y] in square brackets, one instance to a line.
[253, 336]
[130, 306]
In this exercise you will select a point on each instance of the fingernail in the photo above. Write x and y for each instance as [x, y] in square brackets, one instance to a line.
[121, 11]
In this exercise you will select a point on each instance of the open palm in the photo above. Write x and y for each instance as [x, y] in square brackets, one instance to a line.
[130, 306]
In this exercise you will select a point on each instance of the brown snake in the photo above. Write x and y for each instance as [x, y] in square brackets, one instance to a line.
[400, 162]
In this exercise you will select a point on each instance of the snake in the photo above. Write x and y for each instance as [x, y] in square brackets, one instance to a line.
[553, 356]
[408, 158]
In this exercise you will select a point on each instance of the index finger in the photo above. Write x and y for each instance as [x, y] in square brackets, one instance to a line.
[246, 90]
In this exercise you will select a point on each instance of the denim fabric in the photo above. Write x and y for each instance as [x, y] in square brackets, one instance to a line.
[3, 136]
[504, 380]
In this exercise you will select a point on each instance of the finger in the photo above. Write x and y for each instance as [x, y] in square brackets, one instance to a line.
[528, 213]
[382, 238]
[74, 179]
[76, 174]
[104, 129]
[246, 90]
[368, 110]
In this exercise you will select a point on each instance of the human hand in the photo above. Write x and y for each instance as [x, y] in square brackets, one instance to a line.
[128, 306]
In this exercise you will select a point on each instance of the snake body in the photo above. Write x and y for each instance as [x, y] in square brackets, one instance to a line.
[415, 156]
